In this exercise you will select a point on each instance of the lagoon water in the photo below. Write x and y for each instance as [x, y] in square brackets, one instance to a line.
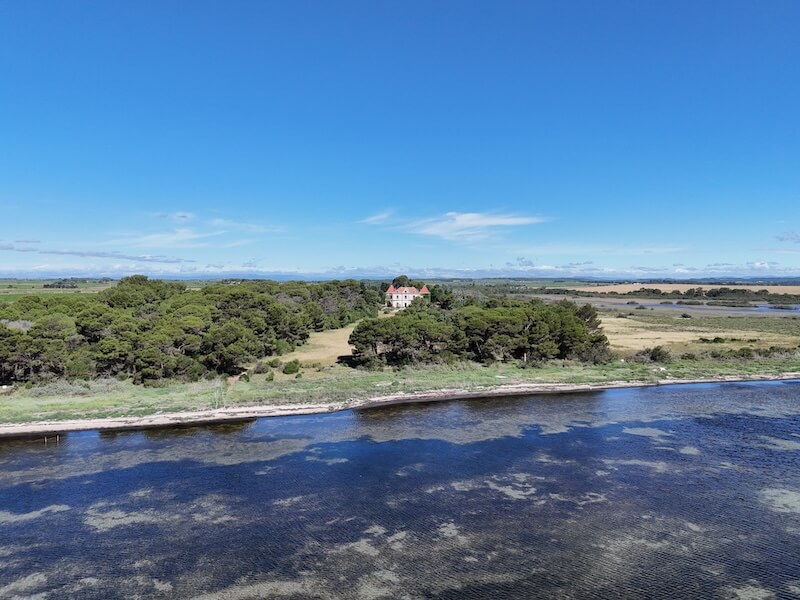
[667, 492]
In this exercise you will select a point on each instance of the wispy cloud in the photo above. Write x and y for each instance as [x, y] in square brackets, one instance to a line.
[147, 258]
[177, 217]
[456, 226]
[243, 226]
[27, 242]
[378, 218]
[117, 255]
[521, 261]
[579, 249]
[762, 265]
[182, 237]
[788, 236]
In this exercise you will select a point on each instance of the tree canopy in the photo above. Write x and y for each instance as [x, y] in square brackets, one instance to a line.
[148, 329]
[496, 330]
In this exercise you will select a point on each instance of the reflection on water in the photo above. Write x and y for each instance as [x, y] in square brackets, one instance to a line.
[681, 491]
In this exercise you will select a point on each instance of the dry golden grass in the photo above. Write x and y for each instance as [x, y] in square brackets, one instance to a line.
[323, 347]
[632, 334]
[624, 288]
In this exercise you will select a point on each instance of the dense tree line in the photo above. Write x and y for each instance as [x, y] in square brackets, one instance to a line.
[494, 330]
[150, 330]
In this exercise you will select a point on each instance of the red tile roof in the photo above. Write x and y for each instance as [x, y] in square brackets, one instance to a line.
[407, 290]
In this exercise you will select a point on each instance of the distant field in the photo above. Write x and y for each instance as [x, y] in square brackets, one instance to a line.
[14, 289]
[680, 335]
[624, 288]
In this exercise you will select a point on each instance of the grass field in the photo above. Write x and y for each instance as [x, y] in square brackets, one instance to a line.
[323, 347]
[14, 289]
[677, 334]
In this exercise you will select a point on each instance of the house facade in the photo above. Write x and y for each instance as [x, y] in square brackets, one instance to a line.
[400, 297]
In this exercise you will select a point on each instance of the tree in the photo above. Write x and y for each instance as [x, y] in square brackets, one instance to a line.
[442, 297]
[401, 281]
[227, 346]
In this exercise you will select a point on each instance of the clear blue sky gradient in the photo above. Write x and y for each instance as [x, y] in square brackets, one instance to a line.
[607, 139]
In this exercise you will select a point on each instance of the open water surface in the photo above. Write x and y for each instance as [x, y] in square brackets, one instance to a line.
[667, 492]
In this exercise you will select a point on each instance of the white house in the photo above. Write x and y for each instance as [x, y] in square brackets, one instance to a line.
[401, 297]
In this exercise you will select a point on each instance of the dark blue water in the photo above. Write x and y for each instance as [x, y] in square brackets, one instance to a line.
[669, 492]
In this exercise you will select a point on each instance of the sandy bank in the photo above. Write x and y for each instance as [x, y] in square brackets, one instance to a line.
[241, 413]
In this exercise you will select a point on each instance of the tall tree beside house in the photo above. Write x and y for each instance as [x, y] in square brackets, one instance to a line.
[401, 281]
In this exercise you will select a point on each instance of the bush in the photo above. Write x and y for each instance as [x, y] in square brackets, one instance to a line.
[686, 316]
[270, 376]
[260, 368]
[244, 377]
[275, 363]
[660, 354]
[283, 347]
[292, 367]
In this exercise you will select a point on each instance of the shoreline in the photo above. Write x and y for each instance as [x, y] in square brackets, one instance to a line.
[246, 413]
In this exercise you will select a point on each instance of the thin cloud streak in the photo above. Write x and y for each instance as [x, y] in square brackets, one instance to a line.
[456, 226]
[378, 218]
[179, 238]
[147, 258]
[249, 227]
[788, 236]
[177, 217]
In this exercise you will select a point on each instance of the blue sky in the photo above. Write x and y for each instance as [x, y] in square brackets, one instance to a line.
[604, 139]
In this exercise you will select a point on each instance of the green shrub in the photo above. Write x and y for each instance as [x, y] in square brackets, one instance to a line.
[292, 367]
[260, 368]
[283, 347]
[658, 354]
